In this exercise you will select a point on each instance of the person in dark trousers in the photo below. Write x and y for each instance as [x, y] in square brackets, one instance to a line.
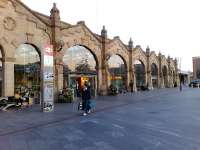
[180, 87]
[86, 96]
[131, 86]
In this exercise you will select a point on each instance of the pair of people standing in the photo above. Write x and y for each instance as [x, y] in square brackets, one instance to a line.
[86, 96]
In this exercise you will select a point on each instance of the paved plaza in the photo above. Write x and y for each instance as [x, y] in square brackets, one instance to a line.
[163, 119]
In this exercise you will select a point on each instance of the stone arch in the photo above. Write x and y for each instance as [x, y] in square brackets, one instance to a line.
[154, 80]
[165, 75]
[139, 54]
[79, 35]
[27, 72]
[78, 72]
[173, 73]
[153, 59]
[90, 50]
[116, 47]
[140, 74]
[154, 75]
[118, 73]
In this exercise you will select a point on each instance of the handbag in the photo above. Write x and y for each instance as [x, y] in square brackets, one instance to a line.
[80, 106]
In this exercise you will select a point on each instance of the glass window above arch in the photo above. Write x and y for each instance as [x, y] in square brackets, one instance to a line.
[26, 54]
[154, 70]
[27, 70]
[79, 59]
[117, 70]
[139, 70]
[79, 66]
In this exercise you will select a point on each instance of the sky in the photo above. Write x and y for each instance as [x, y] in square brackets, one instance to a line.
[171, 27]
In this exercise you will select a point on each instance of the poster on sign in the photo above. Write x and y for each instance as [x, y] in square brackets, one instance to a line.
[48, 79]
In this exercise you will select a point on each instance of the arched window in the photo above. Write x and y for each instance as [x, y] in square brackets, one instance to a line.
[139, 70]
[27, 69]
[164, 71]
[79, 67]
[154, 75]
[117, 70]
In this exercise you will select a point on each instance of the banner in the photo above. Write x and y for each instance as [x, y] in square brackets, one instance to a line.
[48, 79]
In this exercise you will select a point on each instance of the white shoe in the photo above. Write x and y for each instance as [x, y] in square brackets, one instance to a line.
[89, 111]
[84, 114]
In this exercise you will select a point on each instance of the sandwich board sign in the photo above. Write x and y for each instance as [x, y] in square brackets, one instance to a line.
[47, 99]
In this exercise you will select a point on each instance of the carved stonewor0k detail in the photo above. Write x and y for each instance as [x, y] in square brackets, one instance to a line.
[9, 23]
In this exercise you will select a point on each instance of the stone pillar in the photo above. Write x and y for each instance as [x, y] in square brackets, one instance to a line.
[161, 81]
[176, 72]
[134, 81]
[57, 46]
[8, 77]
[149, 80]
[169, 72]
[59, 73]
[104, 84]
[130, 72]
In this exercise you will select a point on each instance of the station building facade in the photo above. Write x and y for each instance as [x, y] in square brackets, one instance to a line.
[79, 55]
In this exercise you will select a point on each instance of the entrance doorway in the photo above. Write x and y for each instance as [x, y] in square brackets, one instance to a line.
[77, 81]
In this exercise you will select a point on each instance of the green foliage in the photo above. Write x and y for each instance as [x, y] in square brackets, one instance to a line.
[113, 90]
[67, 96]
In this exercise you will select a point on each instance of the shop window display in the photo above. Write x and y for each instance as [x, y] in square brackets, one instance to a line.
[117, 71]
[79, 67]
[139, 70]
[27, 70]
[154, 75]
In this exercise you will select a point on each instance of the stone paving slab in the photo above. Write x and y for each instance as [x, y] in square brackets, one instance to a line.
[163, 119]
[28, 118]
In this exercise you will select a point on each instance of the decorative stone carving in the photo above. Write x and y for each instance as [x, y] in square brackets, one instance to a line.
[9, 23]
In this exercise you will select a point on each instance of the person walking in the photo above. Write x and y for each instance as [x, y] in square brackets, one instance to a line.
[86, 96]
[180, 88]
[131, 86]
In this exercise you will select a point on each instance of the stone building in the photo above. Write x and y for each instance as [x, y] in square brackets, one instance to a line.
[80, 55]
[196, 67]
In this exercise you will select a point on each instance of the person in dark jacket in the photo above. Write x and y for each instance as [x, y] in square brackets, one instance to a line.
[86, 96]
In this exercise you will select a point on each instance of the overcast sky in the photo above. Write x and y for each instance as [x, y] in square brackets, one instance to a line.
[169, 26]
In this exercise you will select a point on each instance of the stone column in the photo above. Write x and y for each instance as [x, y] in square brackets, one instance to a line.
[161, 81]
[57, 46]
[8, 77]
[149, 81]
[130, 72]
[169, 73]
[134, 81]
[176, 72]
[104, 84]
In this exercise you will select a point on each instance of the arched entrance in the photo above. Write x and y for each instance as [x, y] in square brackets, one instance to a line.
[154, 75]
[164, 71]
[140, 76]
[174, 78]
[27, 70]
[79, 67]
[118, 74]
[1, 72]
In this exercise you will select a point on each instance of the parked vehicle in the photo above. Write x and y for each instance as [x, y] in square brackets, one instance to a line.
[3, 101]
[195, 83]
